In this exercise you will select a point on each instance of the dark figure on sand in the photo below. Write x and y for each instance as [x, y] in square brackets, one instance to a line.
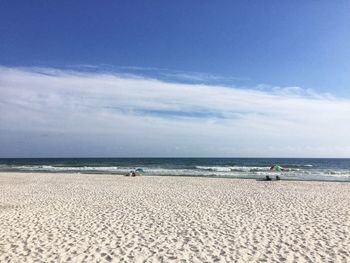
[268, 178]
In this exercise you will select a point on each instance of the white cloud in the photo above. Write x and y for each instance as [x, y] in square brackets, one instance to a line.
[52, 112]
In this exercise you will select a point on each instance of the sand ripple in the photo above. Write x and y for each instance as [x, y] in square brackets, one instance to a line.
[106, 218]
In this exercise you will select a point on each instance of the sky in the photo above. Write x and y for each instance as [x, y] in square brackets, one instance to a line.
[174, 79]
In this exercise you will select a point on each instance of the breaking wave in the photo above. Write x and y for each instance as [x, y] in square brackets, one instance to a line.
[234, 168]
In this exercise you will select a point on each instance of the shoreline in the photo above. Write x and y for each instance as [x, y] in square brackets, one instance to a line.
[112, 218]
[186, 176]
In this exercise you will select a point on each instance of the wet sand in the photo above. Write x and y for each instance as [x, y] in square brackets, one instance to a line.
[110, 218]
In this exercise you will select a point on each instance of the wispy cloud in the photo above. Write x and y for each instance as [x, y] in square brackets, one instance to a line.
[54, 112]
[165, 74]
[198, 77]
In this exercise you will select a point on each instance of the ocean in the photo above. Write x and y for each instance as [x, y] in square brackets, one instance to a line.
[254, 168]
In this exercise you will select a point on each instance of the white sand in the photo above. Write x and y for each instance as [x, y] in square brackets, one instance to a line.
[106, 218]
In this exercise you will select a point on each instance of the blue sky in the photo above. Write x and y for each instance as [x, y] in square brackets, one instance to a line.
[281, 43]
[296, 52]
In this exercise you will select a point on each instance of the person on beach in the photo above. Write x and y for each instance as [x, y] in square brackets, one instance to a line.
[131, 173]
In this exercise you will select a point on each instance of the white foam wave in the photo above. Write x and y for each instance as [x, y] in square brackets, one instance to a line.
[339, 173]
[216, 171]
[234, 168]
[214, 168]
[62, 168]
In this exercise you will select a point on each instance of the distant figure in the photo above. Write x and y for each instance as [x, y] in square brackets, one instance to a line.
[136, 172]
[268, 178]
[278, 178]
[131, 173]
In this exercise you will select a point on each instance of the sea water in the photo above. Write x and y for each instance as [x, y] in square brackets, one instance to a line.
[255, 168]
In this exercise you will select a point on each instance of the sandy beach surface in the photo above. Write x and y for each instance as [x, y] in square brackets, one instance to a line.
[110, 218]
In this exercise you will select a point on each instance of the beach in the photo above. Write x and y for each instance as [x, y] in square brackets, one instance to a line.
[71, 217]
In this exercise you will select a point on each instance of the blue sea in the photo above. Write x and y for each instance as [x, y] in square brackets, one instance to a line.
[254, 168]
